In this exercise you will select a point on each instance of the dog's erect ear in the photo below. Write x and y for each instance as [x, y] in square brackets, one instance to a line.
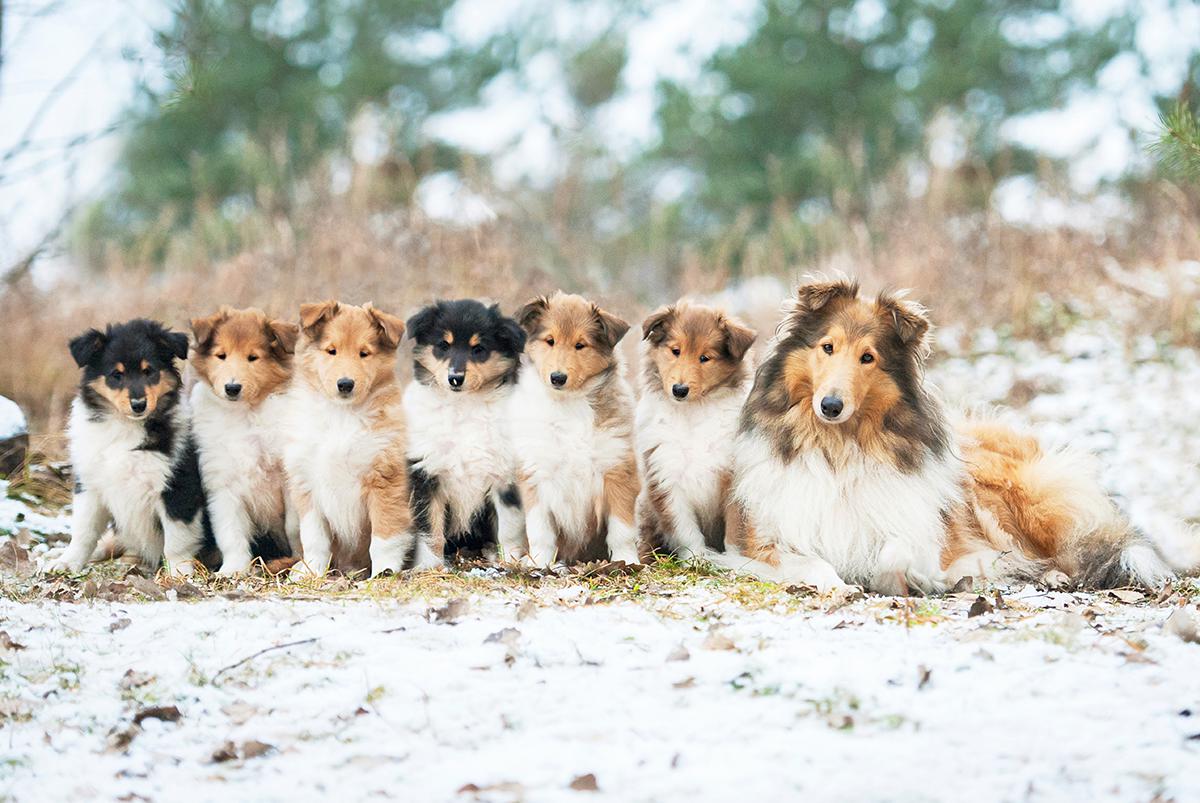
[421, 323]
[530, 316]
[654, 328]
[908, 319]
[174, 344]
[816, 295]
[283, 335]
[738, 337]
[611, 328]
[87, 347]
[509, 335]
[391, 328]
[315, 315]
[204, 328]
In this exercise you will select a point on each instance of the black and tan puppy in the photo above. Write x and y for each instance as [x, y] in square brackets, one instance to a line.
[132, 451]
[461, 464]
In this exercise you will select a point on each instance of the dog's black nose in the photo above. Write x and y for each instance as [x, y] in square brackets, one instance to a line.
[679, 391]
[456, 380]
[137, 405]
[558, 379]
[831, 406]
[345, 385]
[232, 389]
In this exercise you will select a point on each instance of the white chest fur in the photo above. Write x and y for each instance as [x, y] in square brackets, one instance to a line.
[239, 455]
[869, 520]
[462, 440]
[107, 461]
[328, 449]
[692, 447]
[562, 452]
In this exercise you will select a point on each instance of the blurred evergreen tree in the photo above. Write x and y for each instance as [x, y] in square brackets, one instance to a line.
[826, 96]
[259, 91]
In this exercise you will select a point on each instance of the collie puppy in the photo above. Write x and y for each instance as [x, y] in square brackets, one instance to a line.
[131, 448]
[462, 469]
[242, 360]
[343, 438]
[847, 470]
[571, 421]
[695, 378]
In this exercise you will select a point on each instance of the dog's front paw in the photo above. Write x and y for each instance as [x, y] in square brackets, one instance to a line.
[66, 564]
[627, 556]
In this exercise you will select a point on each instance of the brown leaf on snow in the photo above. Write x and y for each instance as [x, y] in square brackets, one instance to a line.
[166, 713]
[528, 608]
[964, 585]
[15, 559]
[509, 787]
[923, 675]
[979, 607]
[119, 624]
[146, 587]
[239, 713]
[1182, 623]
[509, 637]
[7, 643]
[686, 683]
[132, 680]
[253, 748]
[226, 752]
[585, 783]
[1126, 595]
[718, 641]
[601, 568]
[119, 739]
[449, 613]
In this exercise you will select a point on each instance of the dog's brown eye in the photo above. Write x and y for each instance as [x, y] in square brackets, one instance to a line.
[252, 358]
[550, 342]
[363, 353]
[220, 356]
[146, 371]
[704, 358]
[579, 346]
[117, 376]
[867, 358]
[331, 352]
[675, 352]
[828, 347]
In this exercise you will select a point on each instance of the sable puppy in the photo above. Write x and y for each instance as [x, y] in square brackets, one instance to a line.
[461, 463]
[242, 360]
[695, 378]
[847, 470]
[344, 443]
[572, 429]
[132, 450]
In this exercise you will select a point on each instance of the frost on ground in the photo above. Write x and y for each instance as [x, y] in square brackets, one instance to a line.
[667, 684]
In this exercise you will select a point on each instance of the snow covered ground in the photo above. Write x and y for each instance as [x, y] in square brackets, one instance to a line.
[646, 687]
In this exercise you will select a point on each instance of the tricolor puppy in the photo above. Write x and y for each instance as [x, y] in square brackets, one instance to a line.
[847, 470]
[461, 463]
[242, 360]
[572, 428]
[344, 442]
[131, 449]
[695, 378]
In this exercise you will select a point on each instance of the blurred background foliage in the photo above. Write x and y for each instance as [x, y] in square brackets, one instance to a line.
[268, 103]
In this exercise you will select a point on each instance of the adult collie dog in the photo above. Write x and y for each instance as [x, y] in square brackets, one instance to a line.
[572, 428]
[462, 468]
[848, 471]
[343, 440]
[131, 449]
[242, 361]
[695, 379]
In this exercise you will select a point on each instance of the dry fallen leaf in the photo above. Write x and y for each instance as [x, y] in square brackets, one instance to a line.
[449, 613]
[979, 607]
[132, 680]
[585, 783]
[254, 748]
[923, 675]
[7, 643]
[226, 752]
[166, 713]
[1182, 623]
[120, 738]
[509, 637]
[964, 584]
[528, 608]
[14, 559]
[686, 683]
[239, 712]
[119, 624]
[718, 641]
[1128, 596]
[146, 587]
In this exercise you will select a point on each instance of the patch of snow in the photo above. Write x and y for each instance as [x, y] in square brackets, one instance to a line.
[17, 513]
[12, 420]
[374, 696]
